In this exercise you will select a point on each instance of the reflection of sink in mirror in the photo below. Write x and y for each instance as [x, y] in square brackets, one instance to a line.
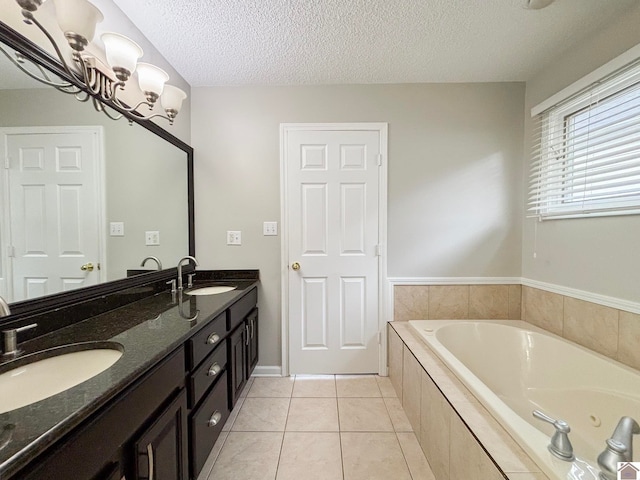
[210, 290]
[30, 382]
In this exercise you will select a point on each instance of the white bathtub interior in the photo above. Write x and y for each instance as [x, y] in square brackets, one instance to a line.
[514, 368]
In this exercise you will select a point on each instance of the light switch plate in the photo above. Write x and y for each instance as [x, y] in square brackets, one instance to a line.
[152, 238]
[270, 228]
[116, 229]
[234, 237]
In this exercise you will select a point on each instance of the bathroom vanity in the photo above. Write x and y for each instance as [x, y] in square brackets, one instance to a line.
[157, 412]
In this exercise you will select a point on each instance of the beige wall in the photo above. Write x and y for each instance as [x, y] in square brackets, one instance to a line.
[598, 255]
[455, 169]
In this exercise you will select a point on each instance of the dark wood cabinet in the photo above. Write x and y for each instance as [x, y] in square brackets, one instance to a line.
[252, 343]
[243, 354]
[102, 449]
[165, 424]
[237, 363]
[161, 451]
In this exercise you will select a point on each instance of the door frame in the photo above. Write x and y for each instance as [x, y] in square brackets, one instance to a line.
[99, 178]
[382, 129]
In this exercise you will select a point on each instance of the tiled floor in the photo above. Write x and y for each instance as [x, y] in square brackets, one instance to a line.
[317, 428]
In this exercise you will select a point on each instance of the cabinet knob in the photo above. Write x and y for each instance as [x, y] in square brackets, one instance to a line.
[215, 418]
[214, 370]
[213, 338]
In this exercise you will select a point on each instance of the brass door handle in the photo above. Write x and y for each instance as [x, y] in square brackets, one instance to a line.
[295, 266]
[87, 267]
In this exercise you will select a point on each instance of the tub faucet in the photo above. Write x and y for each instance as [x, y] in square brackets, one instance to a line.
[619, 448]
[560, 445]
[187, 258]
[155, 259]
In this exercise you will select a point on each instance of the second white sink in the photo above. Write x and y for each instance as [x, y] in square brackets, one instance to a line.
[37, 380]
[210, 290]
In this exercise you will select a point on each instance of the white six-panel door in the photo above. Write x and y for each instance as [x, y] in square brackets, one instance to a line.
[54, 206]
[332, 227]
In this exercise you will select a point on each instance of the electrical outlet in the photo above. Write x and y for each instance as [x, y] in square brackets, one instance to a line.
[116, 229]
[270, 228]
[234, 237]
[152, 238]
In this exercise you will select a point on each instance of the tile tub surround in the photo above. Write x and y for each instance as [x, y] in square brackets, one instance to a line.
[319, 427]
[609, 331]
[437, 302]
[148, 329]
[459, 436]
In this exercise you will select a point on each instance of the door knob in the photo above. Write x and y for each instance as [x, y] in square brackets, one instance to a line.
[295, 266]
[87, 267]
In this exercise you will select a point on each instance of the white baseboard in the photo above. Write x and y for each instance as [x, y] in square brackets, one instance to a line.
[267, 371]
[454, 280]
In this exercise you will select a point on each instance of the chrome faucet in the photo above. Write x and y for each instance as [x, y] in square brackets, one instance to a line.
[188, 258]
[155, 259]
[619, 448]
[5, 311]
[11, 349]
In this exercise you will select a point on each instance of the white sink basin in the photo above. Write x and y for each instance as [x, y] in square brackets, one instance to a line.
[210, 290]
[35, 381]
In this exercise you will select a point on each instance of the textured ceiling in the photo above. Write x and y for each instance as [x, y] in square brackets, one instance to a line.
[283, 42]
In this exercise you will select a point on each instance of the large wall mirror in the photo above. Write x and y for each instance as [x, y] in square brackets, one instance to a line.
[84, 198]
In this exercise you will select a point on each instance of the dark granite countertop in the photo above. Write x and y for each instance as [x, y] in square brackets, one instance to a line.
[148, 331]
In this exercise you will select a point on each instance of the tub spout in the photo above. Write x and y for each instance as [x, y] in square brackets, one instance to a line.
[619, 448]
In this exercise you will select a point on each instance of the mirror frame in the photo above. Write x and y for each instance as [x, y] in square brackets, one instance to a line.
[24, 308]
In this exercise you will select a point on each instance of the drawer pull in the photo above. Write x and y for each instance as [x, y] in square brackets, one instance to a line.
[151, 461]
[214, 370]
[215, 418]
[246, 334]
[213, 338]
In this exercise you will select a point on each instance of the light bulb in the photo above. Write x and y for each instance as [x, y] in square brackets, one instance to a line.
[78, 20]
[172, 98]
[151, 80]
[122, 54]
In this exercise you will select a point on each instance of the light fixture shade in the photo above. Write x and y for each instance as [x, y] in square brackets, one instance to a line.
[151, 78]
[172, 98]
[78, 16]
[121, 51]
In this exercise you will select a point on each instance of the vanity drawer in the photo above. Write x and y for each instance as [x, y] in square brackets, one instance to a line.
[241, 308]
[206, 340]
[204, 432]
[207, 373]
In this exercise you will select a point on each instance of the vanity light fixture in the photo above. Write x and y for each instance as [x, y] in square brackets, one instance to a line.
[100, 82]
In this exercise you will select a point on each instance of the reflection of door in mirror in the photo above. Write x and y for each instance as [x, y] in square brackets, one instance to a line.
[54, 240]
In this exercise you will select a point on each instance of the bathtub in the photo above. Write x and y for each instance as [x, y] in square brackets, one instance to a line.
[513, 368]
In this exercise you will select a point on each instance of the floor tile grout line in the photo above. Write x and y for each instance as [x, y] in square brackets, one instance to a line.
[404, 455]
[283, 435]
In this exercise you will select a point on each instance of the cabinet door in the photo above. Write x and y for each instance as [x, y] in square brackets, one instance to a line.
[237, 363]
[252, 347]
[162, 450]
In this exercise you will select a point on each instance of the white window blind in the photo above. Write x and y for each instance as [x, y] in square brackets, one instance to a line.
[586, 151]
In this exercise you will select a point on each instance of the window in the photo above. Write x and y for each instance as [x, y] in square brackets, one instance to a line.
[586, 151]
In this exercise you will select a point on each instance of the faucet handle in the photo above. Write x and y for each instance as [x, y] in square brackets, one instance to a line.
[190, 280]
[560, 445]
[173, 285]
